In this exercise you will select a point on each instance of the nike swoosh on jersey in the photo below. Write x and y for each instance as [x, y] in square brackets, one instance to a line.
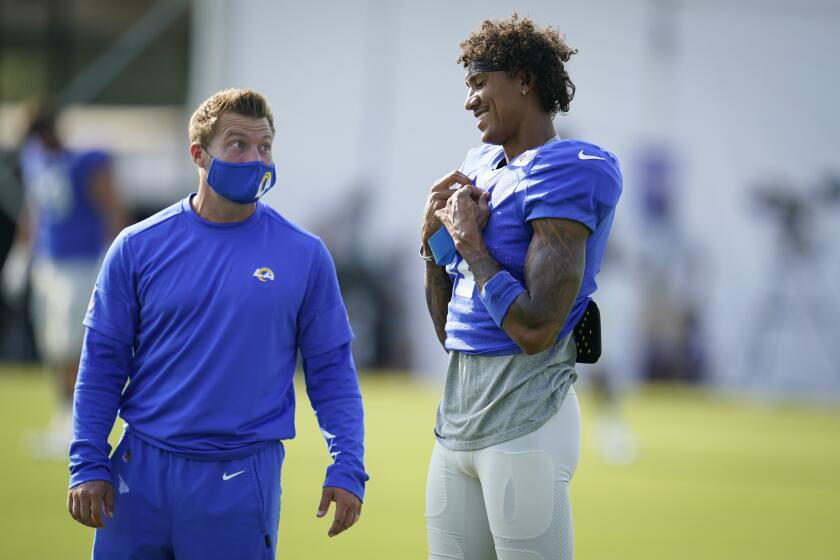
[227, 476]
[581, 155]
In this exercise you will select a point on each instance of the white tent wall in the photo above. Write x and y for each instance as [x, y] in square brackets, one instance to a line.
[368, 93]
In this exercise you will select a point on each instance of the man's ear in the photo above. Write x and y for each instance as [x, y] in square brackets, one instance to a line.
[526, 81]
[197, 152]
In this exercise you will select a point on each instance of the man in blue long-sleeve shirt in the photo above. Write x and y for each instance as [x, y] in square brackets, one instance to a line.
[201, 310]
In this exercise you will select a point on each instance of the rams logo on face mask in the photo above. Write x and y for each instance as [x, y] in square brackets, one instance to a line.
[264, 274]
[264, 184]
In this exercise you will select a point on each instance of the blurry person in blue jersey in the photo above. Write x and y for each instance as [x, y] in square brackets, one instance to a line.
[512, 241]
[71, 213]
[202, 310]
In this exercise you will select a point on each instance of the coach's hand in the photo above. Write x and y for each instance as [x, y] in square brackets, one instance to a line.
[348, 508]
[89, 501]
[438, 196]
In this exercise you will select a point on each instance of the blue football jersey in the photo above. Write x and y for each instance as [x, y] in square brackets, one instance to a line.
[566, 179]
[58, 187]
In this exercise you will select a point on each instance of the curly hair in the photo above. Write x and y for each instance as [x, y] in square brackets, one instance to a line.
[243, 102]
[517, 44]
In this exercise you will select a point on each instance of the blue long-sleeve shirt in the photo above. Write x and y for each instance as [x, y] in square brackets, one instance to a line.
[204, 322]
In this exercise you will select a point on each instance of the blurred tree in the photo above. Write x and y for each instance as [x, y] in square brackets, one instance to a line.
[46, 44]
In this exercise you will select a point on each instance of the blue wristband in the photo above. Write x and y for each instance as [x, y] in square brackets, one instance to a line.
[499, 293]
[442, 246]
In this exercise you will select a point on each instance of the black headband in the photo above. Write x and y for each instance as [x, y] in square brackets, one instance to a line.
[477, 66]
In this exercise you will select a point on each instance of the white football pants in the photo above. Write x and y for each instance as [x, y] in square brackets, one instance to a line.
[509, 501]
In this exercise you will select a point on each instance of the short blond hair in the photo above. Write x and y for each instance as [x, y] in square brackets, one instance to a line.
[245, 102]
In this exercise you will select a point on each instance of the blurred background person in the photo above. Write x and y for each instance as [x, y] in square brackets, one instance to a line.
[609, 381]
[71, 212]
[673, 277]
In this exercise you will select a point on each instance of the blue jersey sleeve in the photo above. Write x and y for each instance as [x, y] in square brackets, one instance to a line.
[113, 308]
[103, 371]
[576, 191]
[322, 323]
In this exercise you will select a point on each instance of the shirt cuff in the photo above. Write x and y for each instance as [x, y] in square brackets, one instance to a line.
[340, 476]
[96, 473]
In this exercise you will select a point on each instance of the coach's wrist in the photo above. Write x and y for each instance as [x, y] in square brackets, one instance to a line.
[89, 476]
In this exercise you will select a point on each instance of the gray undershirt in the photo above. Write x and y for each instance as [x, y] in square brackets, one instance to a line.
[491, 399]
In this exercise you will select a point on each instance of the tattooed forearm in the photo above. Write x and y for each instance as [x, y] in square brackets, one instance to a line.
[483, 268]
[438, 294]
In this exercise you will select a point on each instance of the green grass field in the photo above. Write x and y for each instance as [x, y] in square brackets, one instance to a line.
[715, 479]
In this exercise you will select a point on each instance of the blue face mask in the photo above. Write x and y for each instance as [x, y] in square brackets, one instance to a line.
[241, 182]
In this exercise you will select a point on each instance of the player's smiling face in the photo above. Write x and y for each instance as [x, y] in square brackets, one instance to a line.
[497, 103]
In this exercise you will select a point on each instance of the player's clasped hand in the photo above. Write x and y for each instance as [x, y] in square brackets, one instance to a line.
[464, 216]
[90, 501]
[348, 509]
[439, 194]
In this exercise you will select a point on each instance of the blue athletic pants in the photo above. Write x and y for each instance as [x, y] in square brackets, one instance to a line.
[170, 507]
